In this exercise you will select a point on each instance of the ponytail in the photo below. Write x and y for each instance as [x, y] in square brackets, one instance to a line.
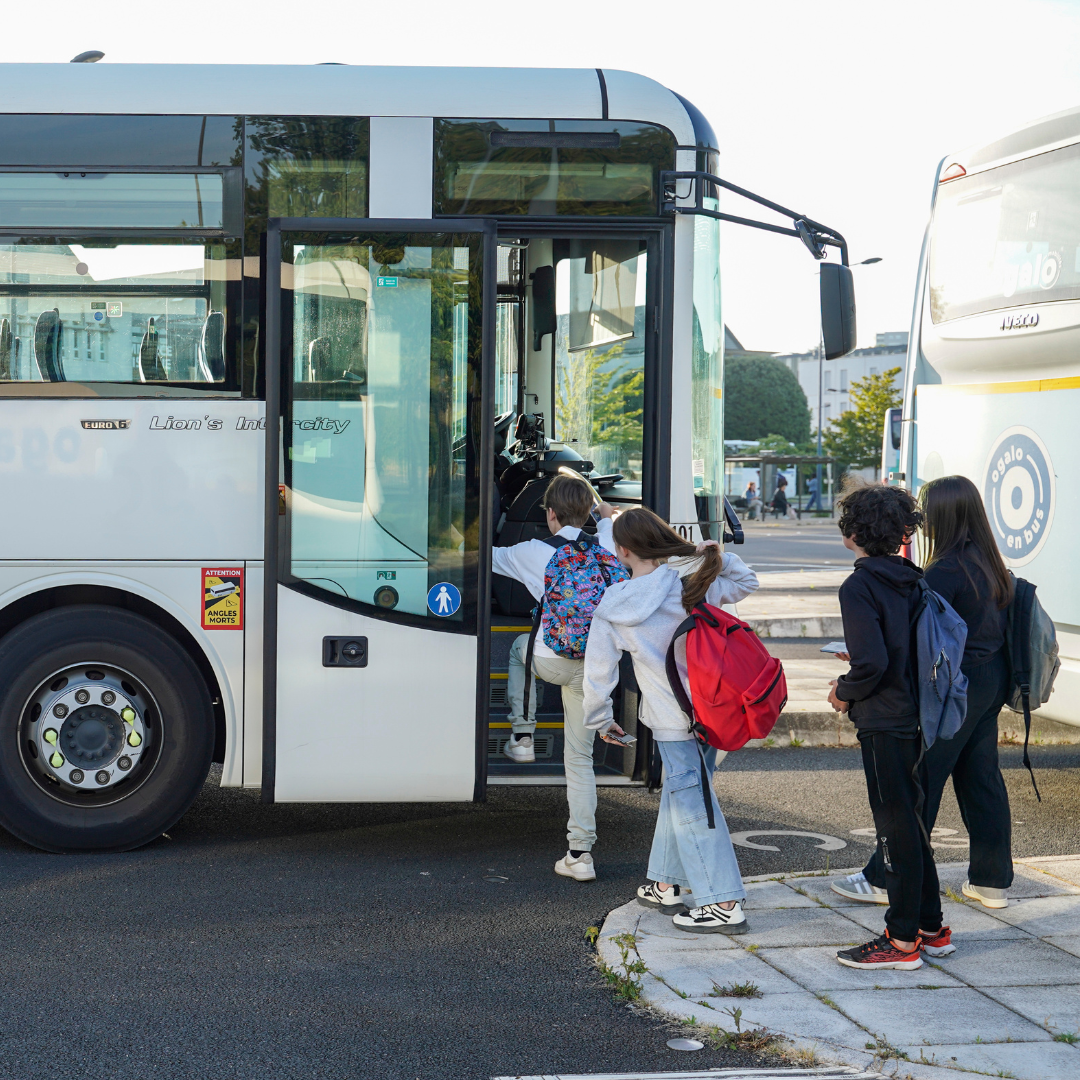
[648, 536]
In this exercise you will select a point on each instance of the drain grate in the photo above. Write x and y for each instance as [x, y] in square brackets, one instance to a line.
[498, 694]
[543, 745]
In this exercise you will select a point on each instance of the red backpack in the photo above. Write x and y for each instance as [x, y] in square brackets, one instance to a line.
[739, 690]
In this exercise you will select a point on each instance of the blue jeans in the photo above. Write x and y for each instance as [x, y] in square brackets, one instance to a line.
[685, 851]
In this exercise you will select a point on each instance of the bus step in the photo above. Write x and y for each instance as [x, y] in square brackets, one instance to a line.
[543, 744]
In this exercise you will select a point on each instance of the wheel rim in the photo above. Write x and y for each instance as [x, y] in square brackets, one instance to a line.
[90, 734]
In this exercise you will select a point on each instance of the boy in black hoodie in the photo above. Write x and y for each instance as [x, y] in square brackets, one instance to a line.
[878, 602]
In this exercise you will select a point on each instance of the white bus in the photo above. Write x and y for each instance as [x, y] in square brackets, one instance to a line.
[993, 375]
[344, 323]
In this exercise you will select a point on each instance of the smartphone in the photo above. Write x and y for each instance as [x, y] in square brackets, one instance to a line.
[625, 740]
[835, 647]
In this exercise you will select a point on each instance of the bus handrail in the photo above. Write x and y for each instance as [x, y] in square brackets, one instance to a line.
[812, 233]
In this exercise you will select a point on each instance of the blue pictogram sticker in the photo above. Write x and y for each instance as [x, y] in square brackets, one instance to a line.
[1019, 489]
[443, 599]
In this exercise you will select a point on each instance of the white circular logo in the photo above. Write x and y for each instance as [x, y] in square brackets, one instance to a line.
[1018, 489]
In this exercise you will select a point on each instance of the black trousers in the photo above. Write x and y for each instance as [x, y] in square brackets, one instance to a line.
[971, 758]
[910, 874]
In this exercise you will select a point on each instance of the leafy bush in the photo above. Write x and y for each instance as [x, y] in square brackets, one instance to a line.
[763, 397]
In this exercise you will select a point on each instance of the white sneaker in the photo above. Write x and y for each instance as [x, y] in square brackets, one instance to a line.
[520, 751]
[988, 897]
[580, 869]
[669, 901]
[856, 887]
[712, 919]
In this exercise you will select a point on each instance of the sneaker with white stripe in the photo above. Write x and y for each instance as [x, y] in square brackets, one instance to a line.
[856, 887]
[669, 900]
[712, 919]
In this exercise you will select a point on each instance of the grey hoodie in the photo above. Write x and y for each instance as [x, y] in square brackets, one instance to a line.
[640, 616]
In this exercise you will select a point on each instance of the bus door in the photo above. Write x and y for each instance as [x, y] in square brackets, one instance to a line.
[378, 507]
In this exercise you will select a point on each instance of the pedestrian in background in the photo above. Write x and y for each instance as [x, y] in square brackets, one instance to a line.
[780, 504]
[964, 566]
[815, 495]
[753, 501]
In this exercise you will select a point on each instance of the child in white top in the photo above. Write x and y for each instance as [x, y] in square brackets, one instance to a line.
[640, 616]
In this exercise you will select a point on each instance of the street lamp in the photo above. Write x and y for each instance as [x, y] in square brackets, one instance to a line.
[821, 387]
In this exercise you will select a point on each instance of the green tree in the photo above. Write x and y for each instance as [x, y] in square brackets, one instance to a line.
[763, 397]
[854, 437]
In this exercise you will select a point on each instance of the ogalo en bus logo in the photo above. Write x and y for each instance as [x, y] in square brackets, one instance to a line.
[1018, 489]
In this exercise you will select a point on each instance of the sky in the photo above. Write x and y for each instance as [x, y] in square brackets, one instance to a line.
[840, 110]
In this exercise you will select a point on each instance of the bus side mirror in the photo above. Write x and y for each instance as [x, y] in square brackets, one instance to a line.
[837, 310]
[543, 304]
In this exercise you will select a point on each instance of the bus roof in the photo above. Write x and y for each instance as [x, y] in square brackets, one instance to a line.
[343, 90]
[1036, 137]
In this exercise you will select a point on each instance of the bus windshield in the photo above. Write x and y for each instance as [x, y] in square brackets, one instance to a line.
[1007, 237]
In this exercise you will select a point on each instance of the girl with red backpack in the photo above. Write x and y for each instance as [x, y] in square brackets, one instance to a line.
[640, 617]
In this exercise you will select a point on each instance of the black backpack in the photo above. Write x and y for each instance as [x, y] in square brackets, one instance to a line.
[1033, 654]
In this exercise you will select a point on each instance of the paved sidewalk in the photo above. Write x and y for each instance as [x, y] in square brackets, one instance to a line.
[796, 604]
[1005, 1004]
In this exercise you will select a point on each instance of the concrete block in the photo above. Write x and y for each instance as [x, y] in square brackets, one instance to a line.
[1069, 942]
[1057, 1009]
[950, 1015]
[774, 895]
[801, 926]
[622, 920]
[817, 969]
[696, 972]
[1026, 962]
[1065, 869]
[1024, 1061]
[802, 1016]
[654, 924]
[1026, 884]
[1044, 915]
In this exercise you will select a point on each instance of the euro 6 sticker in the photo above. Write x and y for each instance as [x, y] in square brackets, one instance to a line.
[1019, 492]
[223, 598]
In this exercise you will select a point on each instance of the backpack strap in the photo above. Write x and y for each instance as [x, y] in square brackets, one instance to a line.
[1021, 620]
[687, 706]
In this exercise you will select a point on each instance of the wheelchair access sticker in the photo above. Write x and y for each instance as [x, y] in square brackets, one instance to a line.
[443, 599]
[223, 598]
[1018, 490]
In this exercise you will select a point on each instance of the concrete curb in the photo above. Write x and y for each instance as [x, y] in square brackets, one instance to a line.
[797, 626]
[882, 1021]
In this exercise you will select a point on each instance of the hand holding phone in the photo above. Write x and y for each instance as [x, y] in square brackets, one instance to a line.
[617, 736]
[837, 649]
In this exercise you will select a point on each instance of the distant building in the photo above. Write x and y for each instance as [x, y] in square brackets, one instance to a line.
[733, 349]
[838, 375]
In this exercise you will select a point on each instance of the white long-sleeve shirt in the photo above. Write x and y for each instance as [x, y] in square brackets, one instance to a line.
[527, 562]
[640, 616]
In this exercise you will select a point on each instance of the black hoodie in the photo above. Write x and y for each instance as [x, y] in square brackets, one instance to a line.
[878, 602]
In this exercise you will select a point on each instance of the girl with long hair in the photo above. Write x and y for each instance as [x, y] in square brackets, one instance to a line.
[963, 564]
[640, 617]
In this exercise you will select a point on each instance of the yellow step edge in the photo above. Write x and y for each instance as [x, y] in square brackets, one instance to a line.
[510, 629]
[496, 724]
[496, 675]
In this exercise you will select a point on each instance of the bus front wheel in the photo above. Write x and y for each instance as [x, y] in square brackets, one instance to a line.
[106, 730]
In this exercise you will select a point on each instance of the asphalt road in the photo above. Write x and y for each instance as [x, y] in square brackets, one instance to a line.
[814, 544]
[269, 942]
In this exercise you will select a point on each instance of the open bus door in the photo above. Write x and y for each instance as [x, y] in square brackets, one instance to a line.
[378, 509]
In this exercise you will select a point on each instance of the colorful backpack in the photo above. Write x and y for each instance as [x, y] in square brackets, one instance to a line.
[576, 578]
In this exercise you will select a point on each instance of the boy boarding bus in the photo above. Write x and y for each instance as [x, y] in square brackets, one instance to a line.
[284, 352]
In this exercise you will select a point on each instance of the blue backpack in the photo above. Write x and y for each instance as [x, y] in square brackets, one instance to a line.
[940, 636]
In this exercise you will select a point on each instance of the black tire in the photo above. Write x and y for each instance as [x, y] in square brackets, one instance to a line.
[184, 740]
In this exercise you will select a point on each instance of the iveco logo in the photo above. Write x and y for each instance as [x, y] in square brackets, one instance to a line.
[1015, 322]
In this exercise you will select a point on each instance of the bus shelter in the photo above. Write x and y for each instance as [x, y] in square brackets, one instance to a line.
[765, 470]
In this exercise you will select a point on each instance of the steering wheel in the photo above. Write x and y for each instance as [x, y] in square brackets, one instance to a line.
[503, 425]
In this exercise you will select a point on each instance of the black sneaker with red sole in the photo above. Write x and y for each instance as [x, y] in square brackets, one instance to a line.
[881, 953]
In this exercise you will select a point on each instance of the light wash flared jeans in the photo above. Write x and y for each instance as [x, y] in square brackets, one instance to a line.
[685, 851]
